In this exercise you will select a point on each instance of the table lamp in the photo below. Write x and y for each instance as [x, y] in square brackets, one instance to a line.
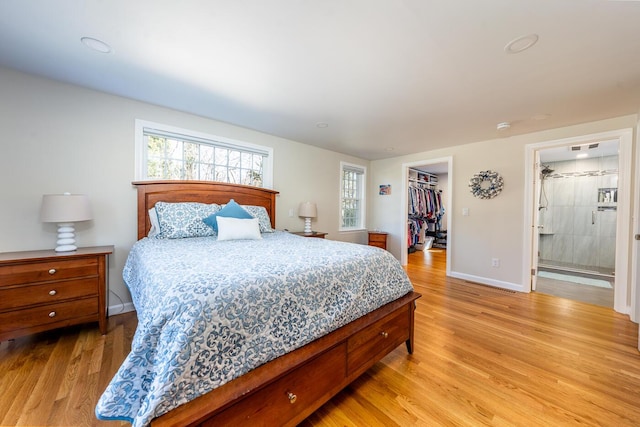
[307, 210]
[65, 209]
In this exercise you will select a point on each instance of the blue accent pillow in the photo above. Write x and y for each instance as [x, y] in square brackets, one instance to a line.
[231, 210]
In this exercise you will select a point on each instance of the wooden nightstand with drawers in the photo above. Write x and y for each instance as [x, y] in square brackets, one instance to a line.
[318, 234]
[378, 239]
[43, 290]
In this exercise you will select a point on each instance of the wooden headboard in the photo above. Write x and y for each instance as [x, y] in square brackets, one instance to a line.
[150, 192]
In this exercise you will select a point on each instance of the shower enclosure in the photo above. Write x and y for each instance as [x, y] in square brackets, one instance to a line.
[577, 216]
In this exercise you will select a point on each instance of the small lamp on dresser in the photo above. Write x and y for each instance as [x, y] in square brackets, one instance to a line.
[65, 209]
[307, 210]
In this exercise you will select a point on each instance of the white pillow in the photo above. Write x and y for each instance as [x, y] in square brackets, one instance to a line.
[238, 229]
[155, 224]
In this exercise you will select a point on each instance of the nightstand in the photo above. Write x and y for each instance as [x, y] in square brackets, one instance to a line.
[43, 290]
[318, 234]
[378, 239]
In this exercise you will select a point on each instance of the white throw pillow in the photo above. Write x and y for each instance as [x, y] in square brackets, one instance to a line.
[238, 229]
[155, 224]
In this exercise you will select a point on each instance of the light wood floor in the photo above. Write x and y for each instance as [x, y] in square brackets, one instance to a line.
[482, 356]
[585, 293]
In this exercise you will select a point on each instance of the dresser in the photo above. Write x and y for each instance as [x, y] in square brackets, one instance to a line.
[378, 239]
[43, 290]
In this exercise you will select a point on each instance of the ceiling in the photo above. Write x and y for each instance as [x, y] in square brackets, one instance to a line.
[384, 77]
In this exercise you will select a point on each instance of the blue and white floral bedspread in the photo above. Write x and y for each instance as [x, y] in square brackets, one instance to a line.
[210, 311]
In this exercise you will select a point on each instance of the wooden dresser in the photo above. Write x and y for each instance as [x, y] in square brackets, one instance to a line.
[43, 290]
[378, 238]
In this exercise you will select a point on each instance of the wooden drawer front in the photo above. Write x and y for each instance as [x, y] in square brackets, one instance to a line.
[274, 406]
[15, 297]
[48, 270]
[384, 335]
[382, 238]
[52, 313]
[378, 245]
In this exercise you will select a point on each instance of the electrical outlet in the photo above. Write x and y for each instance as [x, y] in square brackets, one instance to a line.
[290, 213]
[495, 262]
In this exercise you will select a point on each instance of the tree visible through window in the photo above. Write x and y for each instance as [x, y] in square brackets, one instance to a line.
[177, 156]
[352, 197]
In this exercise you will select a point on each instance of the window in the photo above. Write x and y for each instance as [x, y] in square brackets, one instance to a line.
[164, 152]
[352, 200]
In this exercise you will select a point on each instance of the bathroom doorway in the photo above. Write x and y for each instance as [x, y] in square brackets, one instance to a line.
[577, 209]
[584, 230]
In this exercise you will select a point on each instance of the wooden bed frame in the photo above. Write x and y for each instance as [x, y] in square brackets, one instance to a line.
[288, 389]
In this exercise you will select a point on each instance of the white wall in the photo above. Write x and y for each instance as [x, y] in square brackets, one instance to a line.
[58, 137]
[494, 228]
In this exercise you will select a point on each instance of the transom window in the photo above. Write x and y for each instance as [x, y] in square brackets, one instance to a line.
[352, 197]
[177, 154]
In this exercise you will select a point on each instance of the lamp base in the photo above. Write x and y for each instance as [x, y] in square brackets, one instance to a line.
[307, 225]
[66, 238]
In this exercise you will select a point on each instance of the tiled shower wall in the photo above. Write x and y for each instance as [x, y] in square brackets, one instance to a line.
[578, 230]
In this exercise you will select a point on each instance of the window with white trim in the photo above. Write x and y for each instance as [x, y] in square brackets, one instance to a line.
[352, 196]
[165, 152]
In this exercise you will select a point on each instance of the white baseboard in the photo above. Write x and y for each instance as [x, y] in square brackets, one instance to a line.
[120, 308]
[491, 282]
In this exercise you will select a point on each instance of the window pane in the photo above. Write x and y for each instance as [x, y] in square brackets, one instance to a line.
[352, 195]
[172, 169]
[173, 149]
[170, 157]
[234, 175]
[207, 172]
[222, 156]
[234, 159]
[206, 154]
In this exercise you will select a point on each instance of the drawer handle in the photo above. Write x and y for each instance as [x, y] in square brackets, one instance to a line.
[52, 314]
[292, 397]
[384, 334]
[52, 271]
[52, 292]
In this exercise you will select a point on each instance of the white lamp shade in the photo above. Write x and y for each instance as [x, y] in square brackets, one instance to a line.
[307, 210]
[62, 208]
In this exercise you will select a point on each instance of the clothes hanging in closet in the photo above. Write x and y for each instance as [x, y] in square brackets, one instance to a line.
[425, 211]
[425, 202]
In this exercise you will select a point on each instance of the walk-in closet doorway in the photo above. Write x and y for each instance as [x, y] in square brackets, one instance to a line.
[441, 169]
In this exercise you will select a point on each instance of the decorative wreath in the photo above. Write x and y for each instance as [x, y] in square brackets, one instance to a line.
[486, 184]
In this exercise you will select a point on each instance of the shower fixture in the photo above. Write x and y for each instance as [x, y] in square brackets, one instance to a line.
[546, 170]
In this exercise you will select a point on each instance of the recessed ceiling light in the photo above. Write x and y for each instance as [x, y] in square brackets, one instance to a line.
[521, 43]
[95, 44]
[322, 125]
[582, 155]
[503, 126]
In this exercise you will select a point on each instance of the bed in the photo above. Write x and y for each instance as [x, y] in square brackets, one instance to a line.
[336, 309]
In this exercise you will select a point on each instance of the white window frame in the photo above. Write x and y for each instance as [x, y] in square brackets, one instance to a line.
[141, 148]
[362, 193]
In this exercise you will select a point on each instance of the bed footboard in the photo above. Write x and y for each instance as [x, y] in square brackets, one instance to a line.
[288, 389]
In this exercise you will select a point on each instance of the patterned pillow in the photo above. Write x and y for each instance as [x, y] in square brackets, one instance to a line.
[181, 220]
[261, 213]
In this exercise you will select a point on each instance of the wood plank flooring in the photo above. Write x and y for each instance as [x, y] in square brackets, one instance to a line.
[483, 356]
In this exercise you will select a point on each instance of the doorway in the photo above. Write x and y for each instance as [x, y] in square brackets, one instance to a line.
[577, 216]
[442, 168]
[579, 212]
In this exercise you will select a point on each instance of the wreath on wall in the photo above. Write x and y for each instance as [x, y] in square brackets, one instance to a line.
[486, 184]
